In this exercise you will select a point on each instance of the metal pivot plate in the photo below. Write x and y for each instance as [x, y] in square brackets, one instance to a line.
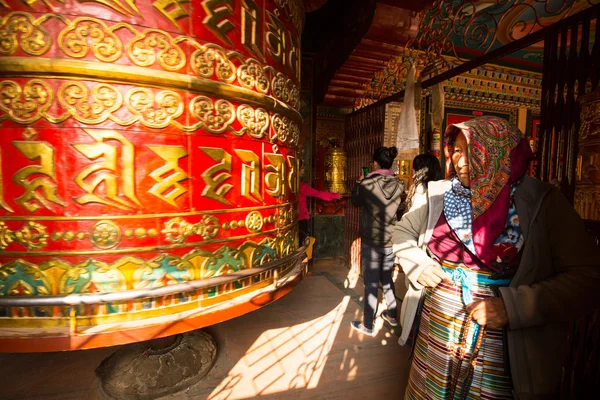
[143, 371]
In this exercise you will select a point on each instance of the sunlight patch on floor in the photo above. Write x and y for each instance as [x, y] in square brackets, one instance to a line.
[285, 358]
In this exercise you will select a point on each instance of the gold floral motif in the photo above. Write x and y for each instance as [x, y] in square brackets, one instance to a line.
[288, 243]
[20, 28]
[284, 89]
[154, 112]
[32, 236]
[6, 236]
[280, 87]
[205, 59]
[97, 277]
[281, 126]
[254, 121]
[73, 41]
[252, 75]
[75, 97]
[177, 230]
[216, 117]
[25, 105]
[105, 235]
[207, 228]
[283, 217]
[254, 221]
[142, 50]
[295, 131]
[21, 288]
[295, 97]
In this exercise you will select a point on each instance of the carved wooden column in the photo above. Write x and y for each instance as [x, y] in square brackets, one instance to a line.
[587, 189]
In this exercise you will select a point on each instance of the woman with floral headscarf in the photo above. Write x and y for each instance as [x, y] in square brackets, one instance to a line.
[497, 263]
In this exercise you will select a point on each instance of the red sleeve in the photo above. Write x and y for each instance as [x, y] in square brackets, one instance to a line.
[308, 191]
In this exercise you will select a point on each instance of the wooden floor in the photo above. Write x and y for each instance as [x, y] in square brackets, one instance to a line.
[300, 347]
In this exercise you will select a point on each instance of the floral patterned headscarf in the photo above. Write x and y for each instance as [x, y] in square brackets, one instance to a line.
[498, 157]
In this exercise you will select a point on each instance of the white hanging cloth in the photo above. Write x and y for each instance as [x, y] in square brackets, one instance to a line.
[437, 105]
[408, 130]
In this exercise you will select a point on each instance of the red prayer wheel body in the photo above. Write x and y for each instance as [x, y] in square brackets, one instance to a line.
[143, 144]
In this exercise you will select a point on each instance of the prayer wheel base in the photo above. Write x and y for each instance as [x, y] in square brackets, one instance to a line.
[156, 368]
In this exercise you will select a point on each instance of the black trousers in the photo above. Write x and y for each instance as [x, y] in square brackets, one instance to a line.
[377, 266]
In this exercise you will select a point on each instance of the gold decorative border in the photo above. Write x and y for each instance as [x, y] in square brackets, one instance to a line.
[60, 277]
[142, 216]
[83, 70]
[149, 47]
[143, 249]
[106, 234]
[153, 109]
[200, 301]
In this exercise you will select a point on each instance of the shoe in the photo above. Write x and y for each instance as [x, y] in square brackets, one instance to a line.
[389, 319]
[358, 326]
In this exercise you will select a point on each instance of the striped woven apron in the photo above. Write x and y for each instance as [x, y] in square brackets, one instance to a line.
[454, 357]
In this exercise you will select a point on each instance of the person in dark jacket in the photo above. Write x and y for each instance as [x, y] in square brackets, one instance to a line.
[379, 196]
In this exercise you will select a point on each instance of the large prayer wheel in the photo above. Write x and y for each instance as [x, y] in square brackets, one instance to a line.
[148, 158]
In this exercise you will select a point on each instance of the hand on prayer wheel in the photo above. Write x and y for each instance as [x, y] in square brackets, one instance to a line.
[148, 170]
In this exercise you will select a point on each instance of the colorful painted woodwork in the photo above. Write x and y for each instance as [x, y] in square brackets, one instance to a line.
[144, 143]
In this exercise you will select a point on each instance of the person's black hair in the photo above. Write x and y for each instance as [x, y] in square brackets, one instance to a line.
[427, 168]
[385, 156]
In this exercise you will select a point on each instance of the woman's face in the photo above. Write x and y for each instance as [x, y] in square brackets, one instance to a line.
[460, 159]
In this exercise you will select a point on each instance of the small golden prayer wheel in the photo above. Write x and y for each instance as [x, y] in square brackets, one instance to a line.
[405, 172]
[335, 176]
